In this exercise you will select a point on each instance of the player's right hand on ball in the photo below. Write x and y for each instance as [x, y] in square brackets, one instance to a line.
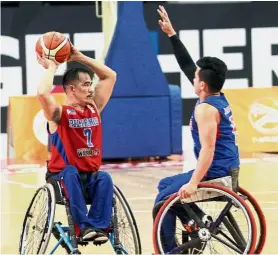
[75, 54]
[46, 63]
[165, 22]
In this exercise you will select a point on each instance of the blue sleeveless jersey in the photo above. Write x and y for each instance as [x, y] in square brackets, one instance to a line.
[226, 154]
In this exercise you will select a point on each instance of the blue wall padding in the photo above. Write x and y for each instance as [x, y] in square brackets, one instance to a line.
[154, 40]
[176, 119]
[133, 57]
[136, 127]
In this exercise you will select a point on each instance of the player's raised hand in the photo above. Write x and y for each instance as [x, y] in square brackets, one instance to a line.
[45, 62]
[74, 55]
[165, 22]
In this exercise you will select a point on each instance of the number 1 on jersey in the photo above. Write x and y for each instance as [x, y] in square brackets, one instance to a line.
[88, 133]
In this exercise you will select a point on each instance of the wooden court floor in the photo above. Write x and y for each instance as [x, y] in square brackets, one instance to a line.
[259, 175]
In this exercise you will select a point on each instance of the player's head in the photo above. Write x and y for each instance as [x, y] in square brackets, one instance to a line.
[77, 83]
[210, 75]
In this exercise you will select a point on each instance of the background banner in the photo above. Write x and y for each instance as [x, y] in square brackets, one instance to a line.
[255, 111]
[27, 127]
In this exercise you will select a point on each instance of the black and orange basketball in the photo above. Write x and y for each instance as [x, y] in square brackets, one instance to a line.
[55, 46]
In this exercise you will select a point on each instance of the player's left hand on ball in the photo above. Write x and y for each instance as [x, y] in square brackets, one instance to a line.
[45, 62]
[187, 190]
[75, 53]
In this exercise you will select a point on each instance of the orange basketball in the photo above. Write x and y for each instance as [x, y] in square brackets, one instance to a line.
[55, 46]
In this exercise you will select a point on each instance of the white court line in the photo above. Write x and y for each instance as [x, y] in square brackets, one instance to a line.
[23, 185]
[22, 166]
[255, 160]
[268, 202]
[264, 192]
[141, 198]
[135, 198]
[263, 208]
[249, 160]
[252, 192]
[136, 211]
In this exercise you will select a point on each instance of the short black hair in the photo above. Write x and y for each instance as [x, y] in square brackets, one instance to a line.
[213, 72]
[72, 75]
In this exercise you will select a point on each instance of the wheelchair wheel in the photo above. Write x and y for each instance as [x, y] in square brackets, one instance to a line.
[126, 234]
[215, 220]
[38, 222]
[261, 223]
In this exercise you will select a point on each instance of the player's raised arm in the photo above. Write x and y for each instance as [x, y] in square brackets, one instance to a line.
[52, 110]
[107, 77]
[184, 59]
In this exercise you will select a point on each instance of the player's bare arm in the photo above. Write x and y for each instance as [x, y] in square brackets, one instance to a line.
[107, 77]
[52, 110]
[207, 118]
[183, 57]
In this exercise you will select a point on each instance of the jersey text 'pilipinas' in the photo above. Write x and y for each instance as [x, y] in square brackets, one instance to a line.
[77, 140]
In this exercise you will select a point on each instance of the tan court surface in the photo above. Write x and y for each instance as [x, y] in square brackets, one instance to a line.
[260, 177]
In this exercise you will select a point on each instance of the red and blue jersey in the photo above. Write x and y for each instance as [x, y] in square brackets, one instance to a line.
[77, 141]
[226, 155]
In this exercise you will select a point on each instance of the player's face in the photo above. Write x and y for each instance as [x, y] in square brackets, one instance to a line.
[197, 82]
[84, 89]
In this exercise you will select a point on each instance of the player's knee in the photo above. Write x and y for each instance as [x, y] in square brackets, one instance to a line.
[71, 170]
[163, 183]
[105, 177]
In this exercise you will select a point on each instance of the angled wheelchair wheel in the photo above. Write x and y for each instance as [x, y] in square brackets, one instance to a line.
[259, 217]
[126, 238]
[38, 222]
[215, 220]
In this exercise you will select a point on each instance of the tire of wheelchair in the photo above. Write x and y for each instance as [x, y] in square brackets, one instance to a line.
[49, 223]
[132, 222]
[212, 186]
[262, 235]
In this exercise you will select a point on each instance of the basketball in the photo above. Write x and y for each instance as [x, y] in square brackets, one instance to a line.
[55, 46]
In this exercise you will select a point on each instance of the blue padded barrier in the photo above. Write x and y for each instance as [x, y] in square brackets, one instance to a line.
[131, 54]
[136, 127]
[176, 119]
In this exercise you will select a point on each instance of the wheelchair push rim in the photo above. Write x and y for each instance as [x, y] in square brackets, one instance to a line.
[132, 224]
[262, 222]
[232, 196]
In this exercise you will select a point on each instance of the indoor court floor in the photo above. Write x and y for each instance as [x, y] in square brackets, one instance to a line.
[259, 175]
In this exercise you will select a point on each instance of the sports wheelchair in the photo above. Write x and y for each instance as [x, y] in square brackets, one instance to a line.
[220, 218]
[39, 223]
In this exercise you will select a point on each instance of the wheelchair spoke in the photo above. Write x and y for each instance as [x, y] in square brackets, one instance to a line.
[227, 237]
[236, 227]
[212, 248]
[128, 241]
[215, 252]
[36, 223]
[226, 243]
[189, 245]
[228, 223]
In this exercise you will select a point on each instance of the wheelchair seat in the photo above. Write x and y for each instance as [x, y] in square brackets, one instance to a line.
[230, 181]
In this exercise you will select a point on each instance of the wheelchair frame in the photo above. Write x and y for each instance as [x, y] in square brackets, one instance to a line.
[66, 236]
[227, 184]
